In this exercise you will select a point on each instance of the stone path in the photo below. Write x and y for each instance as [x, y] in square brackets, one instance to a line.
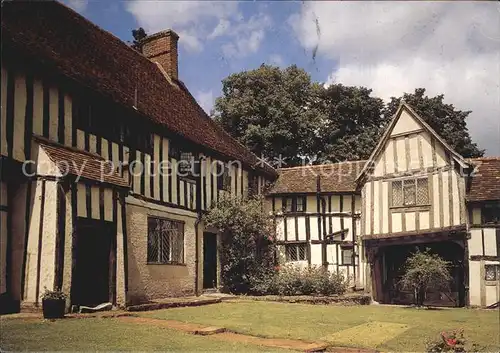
[220, 333]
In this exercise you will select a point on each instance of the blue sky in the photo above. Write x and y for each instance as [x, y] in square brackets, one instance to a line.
[391, 47]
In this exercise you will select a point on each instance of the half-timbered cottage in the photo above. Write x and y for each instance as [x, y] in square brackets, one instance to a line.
[364, 218]
[107, 164]
[417, 192]
[317, 212]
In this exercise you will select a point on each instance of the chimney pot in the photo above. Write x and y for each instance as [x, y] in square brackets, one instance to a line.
[161, 47]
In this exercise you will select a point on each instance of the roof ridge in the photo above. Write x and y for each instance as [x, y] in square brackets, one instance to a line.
[227, 146]
[101, 29]
[322, 165]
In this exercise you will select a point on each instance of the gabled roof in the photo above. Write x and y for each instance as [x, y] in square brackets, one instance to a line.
[485, 182]
[65, 41]
[379, 148]
[337, 177]
[75, 162]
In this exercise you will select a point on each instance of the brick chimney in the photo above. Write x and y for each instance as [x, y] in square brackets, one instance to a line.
[161, 47]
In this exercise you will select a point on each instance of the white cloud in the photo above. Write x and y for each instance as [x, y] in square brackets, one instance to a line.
[449, 48]
[276, 59]
[247, 36]
[78, 5]
[191, 18]
[199, 21]
[206, 100]
[222, 28]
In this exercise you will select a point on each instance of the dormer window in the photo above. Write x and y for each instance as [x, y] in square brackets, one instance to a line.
[294, 204]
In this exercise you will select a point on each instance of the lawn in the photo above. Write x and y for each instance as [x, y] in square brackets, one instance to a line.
[106, 335]
[386, 328]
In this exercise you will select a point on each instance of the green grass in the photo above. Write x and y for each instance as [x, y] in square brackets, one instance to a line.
[315, 322]
[106, 335]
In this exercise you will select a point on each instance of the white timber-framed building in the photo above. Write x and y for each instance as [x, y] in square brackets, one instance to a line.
[73, 99]
[413, 192]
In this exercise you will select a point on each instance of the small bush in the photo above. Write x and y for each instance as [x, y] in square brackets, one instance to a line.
[292, 280]
[424, 271]
[452, 342]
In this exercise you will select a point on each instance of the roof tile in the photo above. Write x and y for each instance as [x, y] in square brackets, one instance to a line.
[337, 177]
[56, 35]
[485, 183]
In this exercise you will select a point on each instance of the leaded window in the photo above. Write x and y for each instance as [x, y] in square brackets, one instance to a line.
[410, 192]
[492, 272]
[294, 204]
[165, 241]
[186, 164]
[347, 256]
[491, 213]
[223, 177]
[295, 252]
[300, 204]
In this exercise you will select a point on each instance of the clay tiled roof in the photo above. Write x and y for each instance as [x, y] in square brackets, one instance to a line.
[485, 183]
[63, 40]
[337, 177]
[81, 163]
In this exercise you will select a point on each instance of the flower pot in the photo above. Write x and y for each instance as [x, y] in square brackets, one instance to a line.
[53, 308]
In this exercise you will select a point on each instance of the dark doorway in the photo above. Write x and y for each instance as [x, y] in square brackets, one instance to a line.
[93, 259]
[392, 262]
[209, 260]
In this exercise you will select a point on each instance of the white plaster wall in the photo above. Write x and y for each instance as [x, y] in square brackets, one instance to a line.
[490, 242]
[49, 237]
[316, 254]
[475, 283]
[376, 207]
[32, 248]
[405, 123]
[410, 224]
[424, 220]
[397, 225]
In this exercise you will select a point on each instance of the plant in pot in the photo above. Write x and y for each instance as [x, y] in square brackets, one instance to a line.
[53, 304]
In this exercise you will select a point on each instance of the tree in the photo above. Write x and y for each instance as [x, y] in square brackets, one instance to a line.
[424, 271]
[272, 111]
[353, 122]
[138, 35]
[444, 118]
[247, 245]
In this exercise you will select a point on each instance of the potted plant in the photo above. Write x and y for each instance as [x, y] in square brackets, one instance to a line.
[53, 304]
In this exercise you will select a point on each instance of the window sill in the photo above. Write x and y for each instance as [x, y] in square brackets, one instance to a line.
[166, 263]
[411, 207]
[294, 213]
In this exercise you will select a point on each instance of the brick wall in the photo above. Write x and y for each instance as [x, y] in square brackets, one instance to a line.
[161, 47]
[154, 281]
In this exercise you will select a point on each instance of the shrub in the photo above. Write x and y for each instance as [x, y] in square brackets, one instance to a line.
[291, 280]
[247, 246]
[424, 271]
[453, 341]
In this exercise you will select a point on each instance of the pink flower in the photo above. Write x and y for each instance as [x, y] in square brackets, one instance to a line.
[451, 341]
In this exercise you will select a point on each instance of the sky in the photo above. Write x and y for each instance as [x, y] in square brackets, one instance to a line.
[450, 48]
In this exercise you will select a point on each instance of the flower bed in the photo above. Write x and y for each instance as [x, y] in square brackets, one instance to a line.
[345, 299]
